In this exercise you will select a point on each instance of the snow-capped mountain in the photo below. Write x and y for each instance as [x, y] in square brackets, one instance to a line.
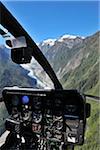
[69, 40]
[52, 49]
[49, 42]
[46, 44]
[68, 36]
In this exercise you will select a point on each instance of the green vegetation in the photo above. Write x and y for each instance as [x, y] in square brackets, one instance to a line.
[86, 76]
[92, 141]
[86, 79]
[95, 90]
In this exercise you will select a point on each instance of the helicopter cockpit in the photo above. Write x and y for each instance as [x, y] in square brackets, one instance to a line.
[40, 118]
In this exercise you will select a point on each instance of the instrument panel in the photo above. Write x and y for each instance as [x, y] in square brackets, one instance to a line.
[56, 115]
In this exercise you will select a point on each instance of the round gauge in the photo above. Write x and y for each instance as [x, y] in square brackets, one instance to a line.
[48, 103]
[71, 108]
[37, 117]
[15, 100]
[14, 112]
[59, 125]
[26, 115]
[58, 103]
[36, 102]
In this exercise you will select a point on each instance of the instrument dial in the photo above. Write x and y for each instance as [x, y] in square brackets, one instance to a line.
[71, 108]
[37, 117]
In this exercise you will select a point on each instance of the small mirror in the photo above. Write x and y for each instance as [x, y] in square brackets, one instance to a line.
[21, 55]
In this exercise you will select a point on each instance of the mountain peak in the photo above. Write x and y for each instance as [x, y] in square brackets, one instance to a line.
[68, 36]
[49, 42]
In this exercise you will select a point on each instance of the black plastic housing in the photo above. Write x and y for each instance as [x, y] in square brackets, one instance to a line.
[21, 55]
[69, 104]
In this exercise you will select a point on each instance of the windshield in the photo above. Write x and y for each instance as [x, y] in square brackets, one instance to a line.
[68, 37]
[67, 51]
[21, 75]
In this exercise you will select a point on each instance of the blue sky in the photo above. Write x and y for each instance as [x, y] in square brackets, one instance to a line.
[51, 19]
